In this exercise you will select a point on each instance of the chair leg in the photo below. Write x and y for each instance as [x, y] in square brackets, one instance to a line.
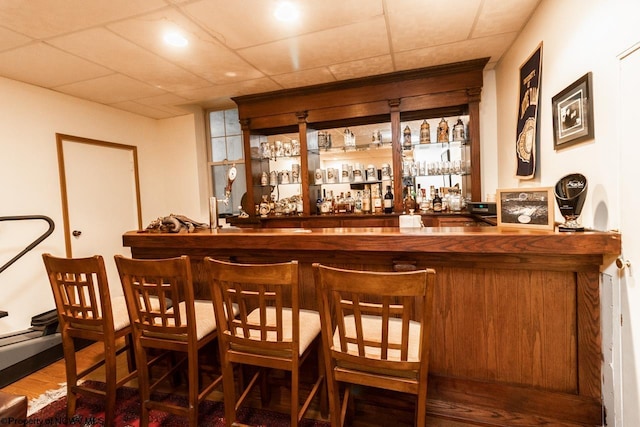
[194, 387]
[229, 391]
[111, 380]
[324, 403]
[335, 406]
[295, 398]
[71, 374]
[421, 408]
[131, 355]
[144, 382]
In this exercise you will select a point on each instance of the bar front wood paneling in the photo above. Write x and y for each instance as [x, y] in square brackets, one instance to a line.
[516, 338]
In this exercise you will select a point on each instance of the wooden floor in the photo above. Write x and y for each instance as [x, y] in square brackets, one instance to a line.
[53, 376]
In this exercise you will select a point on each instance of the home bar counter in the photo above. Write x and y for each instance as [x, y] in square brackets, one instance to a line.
[516, 334]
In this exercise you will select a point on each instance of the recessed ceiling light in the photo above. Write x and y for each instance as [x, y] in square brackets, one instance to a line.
[175, 39]
[286, 12]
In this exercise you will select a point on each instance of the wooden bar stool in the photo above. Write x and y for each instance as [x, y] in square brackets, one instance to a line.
[166, 321]
[369, 337]
[87, 311]
[270, 332]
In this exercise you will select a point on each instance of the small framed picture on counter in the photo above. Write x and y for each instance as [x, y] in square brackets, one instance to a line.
[527, 208]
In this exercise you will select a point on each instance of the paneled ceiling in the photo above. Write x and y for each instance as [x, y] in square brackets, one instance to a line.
[112, 51]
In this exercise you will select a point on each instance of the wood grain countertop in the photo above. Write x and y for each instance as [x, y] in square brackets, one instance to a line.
[487, 240]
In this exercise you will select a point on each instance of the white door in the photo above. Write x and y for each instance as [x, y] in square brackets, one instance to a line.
[630, 229]
[102, 199]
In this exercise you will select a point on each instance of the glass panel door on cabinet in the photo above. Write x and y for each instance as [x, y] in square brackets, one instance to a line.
[350, 168]
[276, 174]
[436, 159]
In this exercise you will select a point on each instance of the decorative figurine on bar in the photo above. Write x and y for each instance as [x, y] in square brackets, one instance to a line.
[425, 132]
[570, 192]
[443, 131]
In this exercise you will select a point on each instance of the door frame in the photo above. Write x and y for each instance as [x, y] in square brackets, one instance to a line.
[60, 139]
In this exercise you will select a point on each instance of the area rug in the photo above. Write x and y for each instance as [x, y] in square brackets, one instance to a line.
[90, 412]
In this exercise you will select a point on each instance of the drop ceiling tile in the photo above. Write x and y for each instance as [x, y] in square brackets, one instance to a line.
[499, 16]
[110, 89]
[46, 66]
[167, 99]
[218, 104]
[415, 23]
[232, 89]
[454, 52]
[304, 78]
[46, 18]
[324, 48]
[125, 57]
[204, 56]
[362, 68]
[10, 39]
[237, 29]
[148, 111]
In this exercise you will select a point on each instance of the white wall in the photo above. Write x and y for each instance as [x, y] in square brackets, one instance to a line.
[488, 136]
[578, 36]
[29, 182]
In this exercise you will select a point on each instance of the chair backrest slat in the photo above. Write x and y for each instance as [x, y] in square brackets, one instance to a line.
[353, 298]
[81, 291]
[262, 293]
[155, 291]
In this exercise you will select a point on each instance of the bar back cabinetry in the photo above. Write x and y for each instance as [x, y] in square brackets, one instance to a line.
[352, 133]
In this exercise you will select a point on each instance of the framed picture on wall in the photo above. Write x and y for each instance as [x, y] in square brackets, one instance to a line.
[530, 208]
[573, 113]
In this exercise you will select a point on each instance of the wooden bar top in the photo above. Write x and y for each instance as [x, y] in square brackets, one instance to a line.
[426, 240]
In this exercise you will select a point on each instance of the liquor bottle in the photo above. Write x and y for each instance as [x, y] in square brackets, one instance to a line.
[339, 204]
[432, 192]
[376, 199]
[425, 204]
[349, 203]
[437, 202]
[366, 200]
[388, 201]
[357, 208]
[319, 203]
[409, 201]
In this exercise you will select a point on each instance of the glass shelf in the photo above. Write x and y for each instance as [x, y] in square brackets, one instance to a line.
[434, 145]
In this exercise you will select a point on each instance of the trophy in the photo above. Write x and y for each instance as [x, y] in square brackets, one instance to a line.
[570, 192]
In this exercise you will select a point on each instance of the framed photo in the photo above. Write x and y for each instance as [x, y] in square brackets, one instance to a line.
[573, 113]
[530, 208]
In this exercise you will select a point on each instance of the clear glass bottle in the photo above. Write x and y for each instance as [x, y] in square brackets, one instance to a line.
[349, 203]
[388, 201]
[455, 202]
[425, 204]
